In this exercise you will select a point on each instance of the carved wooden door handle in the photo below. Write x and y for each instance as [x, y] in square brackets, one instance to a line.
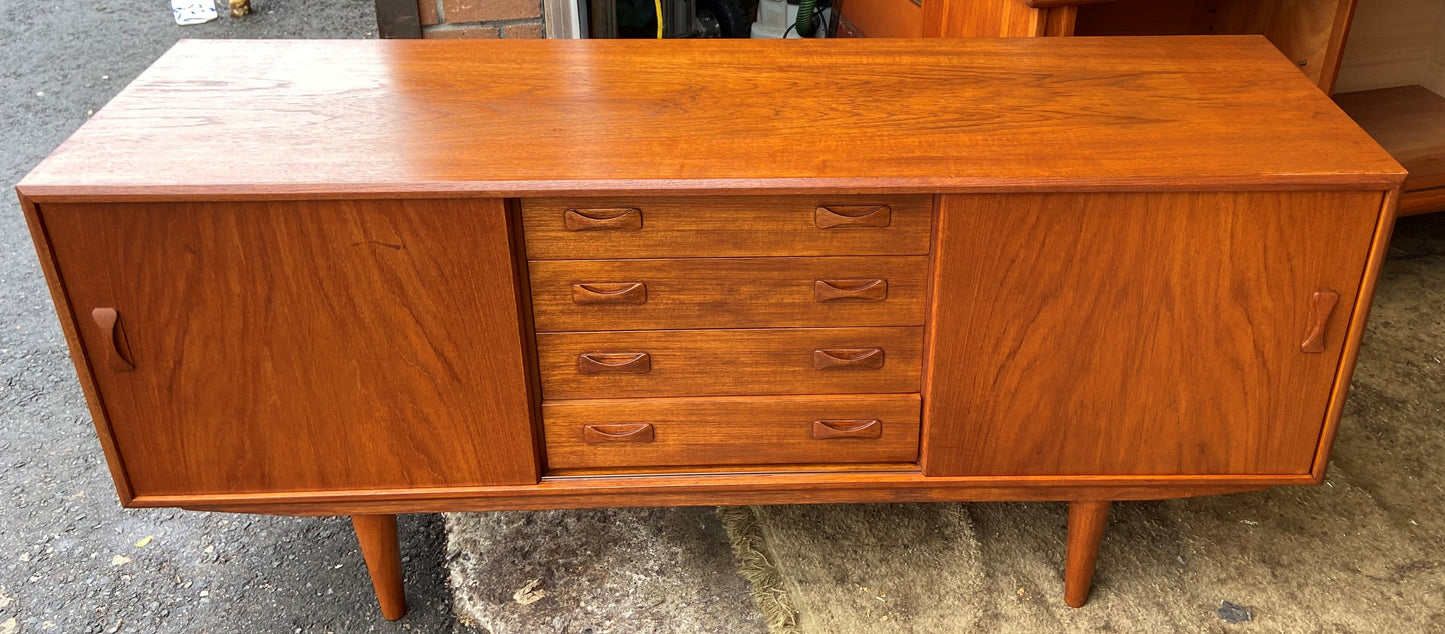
[1322, 304]
[875, 290]
[610, 219]
[627, 432]
[609, 293]
[614, 362]
[848, 358]
[825, 429]
[852, 216]
[119, 358]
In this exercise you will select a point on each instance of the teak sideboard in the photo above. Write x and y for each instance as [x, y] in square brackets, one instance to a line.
[366, 278]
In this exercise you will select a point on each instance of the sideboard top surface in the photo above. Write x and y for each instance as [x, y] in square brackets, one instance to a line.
[273, 119]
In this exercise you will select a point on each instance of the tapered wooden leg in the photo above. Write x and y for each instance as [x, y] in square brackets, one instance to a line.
[382, 551]
[1086, 530]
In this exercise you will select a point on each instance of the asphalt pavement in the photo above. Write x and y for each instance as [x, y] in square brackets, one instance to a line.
[72, 560]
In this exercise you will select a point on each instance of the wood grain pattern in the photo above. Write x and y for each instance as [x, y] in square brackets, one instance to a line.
[1311, 33]
[729, 362]
[824, 116]
[727, 293]
[1086, 530]
[1358, 317]
[1137, 334]
[731, 226]
[70, 323]
[1422, 201]
[304, 346]
[1334, 52]
[528, 331]
[381, 548]
[1059, 22]
[737, 431]
[982, 18]
[883, 18]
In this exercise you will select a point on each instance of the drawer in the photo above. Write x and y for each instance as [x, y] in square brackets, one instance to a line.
[730, 362]
[714, 226]
[732, 431]
[572, 295]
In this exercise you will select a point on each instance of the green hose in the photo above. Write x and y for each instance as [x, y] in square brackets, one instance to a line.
[805, 17]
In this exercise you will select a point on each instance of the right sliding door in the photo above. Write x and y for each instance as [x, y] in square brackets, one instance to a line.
[1139, 333]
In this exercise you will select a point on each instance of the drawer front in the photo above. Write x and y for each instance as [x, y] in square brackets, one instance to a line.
[730, 362]
[643, 227]
[573, 295]
[732, 431]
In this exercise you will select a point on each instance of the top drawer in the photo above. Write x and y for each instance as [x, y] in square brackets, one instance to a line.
[701, 226]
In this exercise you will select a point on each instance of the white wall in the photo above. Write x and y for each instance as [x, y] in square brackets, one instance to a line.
[1394, 43]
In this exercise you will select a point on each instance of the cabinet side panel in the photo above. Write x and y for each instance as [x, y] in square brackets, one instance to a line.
[305, 345]
[1138, 334]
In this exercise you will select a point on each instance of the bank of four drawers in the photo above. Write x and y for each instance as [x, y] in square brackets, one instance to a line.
[728, 331]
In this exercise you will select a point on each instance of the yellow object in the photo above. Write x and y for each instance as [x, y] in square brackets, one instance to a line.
[658, 5]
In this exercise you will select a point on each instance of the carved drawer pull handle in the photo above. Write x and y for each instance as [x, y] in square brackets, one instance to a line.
[848, 358]
[109, 322]
[852, 216]
[825, 429]
[1322, 305]
[629, 432]
[613, 219]
[620, 293]
[874, 290]
[614, 362]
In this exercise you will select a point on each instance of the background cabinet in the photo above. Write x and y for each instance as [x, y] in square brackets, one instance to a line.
[1310, 32]
[1391, 82]
[301, 346]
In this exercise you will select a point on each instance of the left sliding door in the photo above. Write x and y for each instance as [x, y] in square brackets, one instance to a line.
[255, 347]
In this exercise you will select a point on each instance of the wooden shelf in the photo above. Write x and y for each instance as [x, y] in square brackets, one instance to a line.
[1410, 122]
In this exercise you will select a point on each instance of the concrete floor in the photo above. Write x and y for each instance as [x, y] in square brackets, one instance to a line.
[69, 560]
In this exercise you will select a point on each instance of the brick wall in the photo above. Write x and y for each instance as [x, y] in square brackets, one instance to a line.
[510, 19]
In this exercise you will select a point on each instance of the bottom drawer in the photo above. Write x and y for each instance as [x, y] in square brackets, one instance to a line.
[702, 432]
